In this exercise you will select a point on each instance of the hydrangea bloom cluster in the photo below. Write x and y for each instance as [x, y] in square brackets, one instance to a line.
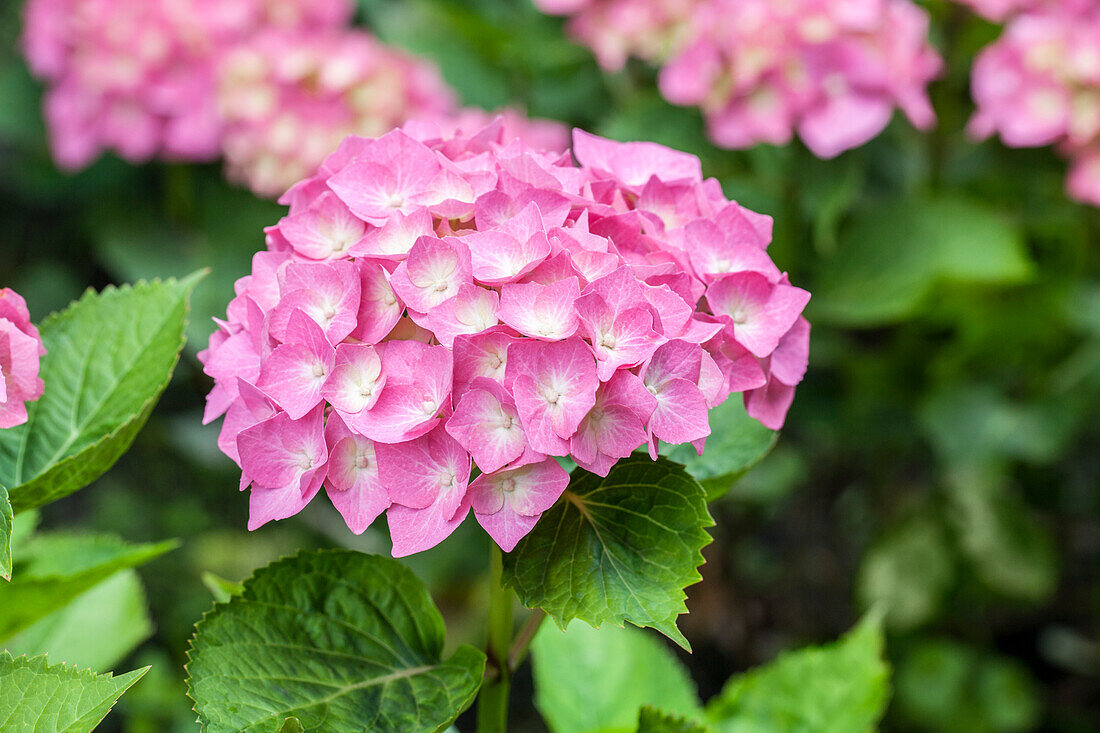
[832, 71]
[139, 76]
[20, 349]
[434, 302]
[1001, 10]
[289, 97]
[1039, 84]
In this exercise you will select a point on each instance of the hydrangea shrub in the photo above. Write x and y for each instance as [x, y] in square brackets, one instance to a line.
[432, 302]
[20, 349]
[761, 71]
[1039, 84]
[139, 77]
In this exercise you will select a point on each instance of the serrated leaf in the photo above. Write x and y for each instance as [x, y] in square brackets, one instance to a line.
[220, 588]
[594, 680]
[55, 568]
[6, 523]
[337, 639]
[116, 611]
[615, 549]
[109, 357]
[737, 442]
[839, 688]
[889, 261]
[36, 697]
[652, 720]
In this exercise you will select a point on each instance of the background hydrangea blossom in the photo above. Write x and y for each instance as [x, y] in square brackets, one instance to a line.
[20, 349]
[138, 77]
[834, 72]
[1001, 10]
[1039, 84]
[435, 301]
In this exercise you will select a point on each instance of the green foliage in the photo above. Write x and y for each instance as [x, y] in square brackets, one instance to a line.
[652, 720]
[907, 572]
[109, 357]
[6, 520]
[594, 680]
[890, 260]
[337, 639]
[36, 697]
[952, 688]
[737, 443]
[97, 629]
[614, 549]
[53, 569]
[839, 688]
[220, 588]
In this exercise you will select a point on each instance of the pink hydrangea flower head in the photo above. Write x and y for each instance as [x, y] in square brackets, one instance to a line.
[20, 350]
[139, 77]
[289, 97]
[1001, 10]
[1039, 84]
[439, 301]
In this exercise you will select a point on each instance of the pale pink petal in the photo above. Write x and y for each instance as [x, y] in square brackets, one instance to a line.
[353, 482]
[554, 386]
[434, 271]
[294, 373]
[541, 311]
[485, 422]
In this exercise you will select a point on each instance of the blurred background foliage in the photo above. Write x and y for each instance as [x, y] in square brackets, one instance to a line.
[941, 461]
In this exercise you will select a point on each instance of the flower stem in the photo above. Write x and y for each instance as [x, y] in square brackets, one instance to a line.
[523, 639]
[492, 702]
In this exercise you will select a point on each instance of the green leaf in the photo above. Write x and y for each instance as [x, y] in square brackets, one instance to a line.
[908, 572]
[338, 639]
[737, 443]
[890, 260]
[950, 687]
[116, 611]
[615, 549]
[220, 588]
[53, 569]
[6, 523]
[839, 688]
[652, 720]
[36, 697]
[109, 357]
[594, 680]
[1007, 546]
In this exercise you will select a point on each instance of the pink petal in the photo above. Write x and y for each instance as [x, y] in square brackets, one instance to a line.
[433, 272]
[634, 163]
[357, 379]
[294, 373]
[760, 312]
[472, 310]
[379, 307]
[353, 483]
[485, 422]
[508, 503]
[554, 385]
[541, 311]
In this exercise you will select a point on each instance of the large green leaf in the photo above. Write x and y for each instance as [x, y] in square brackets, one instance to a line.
[109, 357]
[889, 261]
[6, 521]
[337, 639]
[652, 720]
[36, 697]
[615, 549]
[53, 569]
[839, 688]
[737, 442]
[594, 680]
[115, 609]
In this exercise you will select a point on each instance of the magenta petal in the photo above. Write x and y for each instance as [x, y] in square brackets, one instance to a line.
[416, 530]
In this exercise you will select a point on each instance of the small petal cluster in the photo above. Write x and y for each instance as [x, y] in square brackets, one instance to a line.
[138, 77]
[832, 71]
[1039, 85]
[435, 301]
[20, 349]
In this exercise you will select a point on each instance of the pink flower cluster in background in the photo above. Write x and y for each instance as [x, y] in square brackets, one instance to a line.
[271, 85]
[139, 77]
[1001, 10]
[833, 71]
[20, 349]
[431, 302]
[1039, 84]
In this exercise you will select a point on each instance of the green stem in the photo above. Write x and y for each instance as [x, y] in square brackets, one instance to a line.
[492, 701]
